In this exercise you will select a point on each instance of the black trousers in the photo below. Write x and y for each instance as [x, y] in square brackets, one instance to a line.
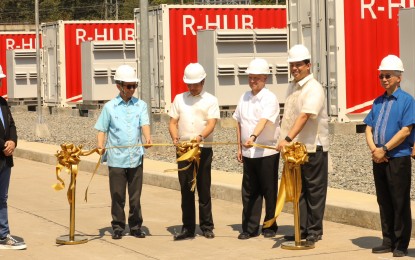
[120, 179]
[260, 180]
[203, 183]
[393, 186]
[314, 177]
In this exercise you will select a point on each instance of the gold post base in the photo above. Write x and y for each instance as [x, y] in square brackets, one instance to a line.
[65, 240]
[302, 245]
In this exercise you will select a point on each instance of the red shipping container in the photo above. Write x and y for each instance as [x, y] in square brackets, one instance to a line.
[351, 39]
[371, 30]
[174, 28]
[10, 41]
[62, 79]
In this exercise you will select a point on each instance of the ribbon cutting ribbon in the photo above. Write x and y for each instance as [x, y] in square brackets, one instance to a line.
[294, 155]
[190, 151]
[69, 158]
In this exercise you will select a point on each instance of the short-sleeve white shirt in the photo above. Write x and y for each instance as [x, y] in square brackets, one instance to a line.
[307, 96]
[193, 112]
[249, 111]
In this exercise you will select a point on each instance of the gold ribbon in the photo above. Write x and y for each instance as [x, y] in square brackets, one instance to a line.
[294, 155]
[189, 151]
[69, 158]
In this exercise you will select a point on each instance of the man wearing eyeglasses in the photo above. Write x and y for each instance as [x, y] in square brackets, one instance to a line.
[122, 122]
[193, 116]
[305, 120]
[388, 136]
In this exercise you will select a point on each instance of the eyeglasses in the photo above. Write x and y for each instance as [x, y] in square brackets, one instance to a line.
[386, 76]
[131, 86]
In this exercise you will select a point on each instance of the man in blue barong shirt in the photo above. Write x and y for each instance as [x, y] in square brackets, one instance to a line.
[388, 135]
[122, 122]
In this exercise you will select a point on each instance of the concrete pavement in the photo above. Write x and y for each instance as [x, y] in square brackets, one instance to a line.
[39, 215]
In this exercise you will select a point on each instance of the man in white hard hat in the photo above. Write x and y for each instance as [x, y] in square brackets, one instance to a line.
[388, 136]
[257, 116]
[193, 116]
[122, 122]
[305, 120]
[8, 140]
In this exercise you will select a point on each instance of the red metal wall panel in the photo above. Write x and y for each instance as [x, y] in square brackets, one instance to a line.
[371, 32]
[11, 41]
[184, 23]
[75, 33]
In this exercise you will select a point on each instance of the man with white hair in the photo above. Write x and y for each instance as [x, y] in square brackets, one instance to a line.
[388, 136]
[8, 142]
[257, 116]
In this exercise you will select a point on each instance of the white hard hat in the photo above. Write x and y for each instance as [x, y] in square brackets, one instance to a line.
[2, 75]
[125, 73]
[391, 62]
[298, 53]
[194, 73]
[258, 66]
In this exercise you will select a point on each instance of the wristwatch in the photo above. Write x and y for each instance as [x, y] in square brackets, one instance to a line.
[384, 148]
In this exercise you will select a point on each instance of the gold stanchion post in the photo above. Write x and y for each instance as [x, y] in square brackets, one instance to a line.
[297, 244]
[72, 239]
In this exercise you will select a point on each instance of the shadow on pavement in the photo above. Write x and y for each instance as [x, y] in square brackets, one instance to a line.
[174, 229]
[367, 242]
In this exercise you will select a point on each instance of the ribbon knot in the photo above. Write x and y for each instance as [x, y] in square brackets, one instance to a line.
[69, 155]
[189, 151]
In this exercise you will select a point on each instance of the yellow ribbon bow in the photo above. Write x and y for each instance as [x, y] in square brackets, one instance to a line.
[294, 155]
[69, 158]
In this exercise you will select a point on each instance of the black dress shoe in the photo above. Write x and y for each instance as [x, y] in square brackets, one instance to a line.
[269, 233]
[292, 237]
[138, 233]
[313, 238]
[117, 234]
[208, 234]
[400, 253]
[244, 235]
[184, 235]
[382, 249]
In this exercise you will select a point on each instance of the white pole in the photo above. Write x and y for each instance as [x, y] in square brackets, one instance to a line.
[145, 57]
[39, 90]
[314, 36]
[41, 129]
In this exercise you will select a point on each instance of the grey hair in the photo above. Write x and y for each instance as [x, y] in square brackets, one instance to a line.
[397, 73]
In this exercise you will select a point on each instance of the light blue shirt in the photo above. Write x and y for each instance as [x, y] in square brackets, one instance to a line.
[122, 123]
